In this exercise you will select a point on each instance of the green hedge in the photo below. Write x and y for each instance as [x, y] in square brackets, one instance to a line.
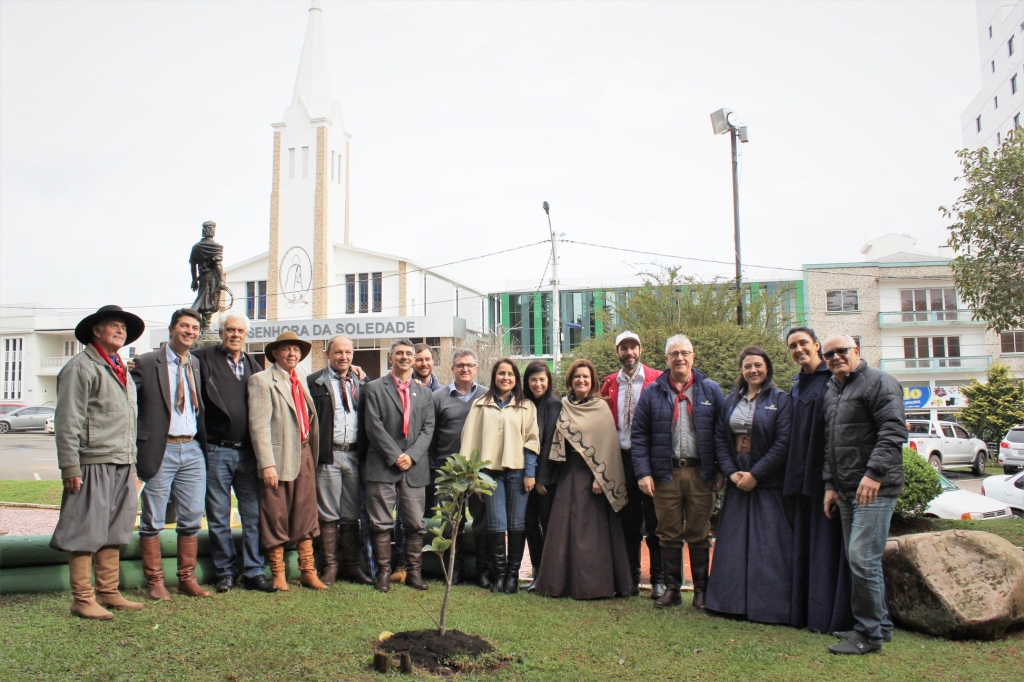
[920, 486]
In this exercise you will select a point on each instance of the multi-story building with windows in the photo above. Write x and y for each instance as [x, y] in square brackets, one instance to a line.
[902, 307]
[999, 105]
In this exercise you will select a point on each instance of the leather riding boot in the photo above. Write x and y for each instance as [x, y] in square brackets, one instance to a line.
[657, 568]
[699, 564]
[153, 568]
[84, 604]
[382, 557]
[307, 566]
[329, 548]
[516, 545]
[483, 558]
[414, 562]
[107, 566]
[275, 559]
[499, 561]
[348, 538]
[188, 548]
[672, 560]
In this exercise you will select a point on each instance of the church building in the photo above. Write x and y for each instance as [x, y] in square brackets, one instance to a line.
[312, 280]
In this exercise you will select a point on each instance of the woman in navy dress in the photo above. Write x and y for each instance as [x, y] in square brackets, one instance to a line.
[750, 573]
[821, 576]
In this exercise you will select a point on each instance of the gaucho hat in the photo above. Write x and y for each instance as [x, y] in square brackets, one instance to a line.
[133, 323]
[287, 338]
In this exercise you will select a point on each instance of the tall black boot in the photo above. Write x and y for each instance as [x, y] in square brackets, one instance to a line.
[672, 559]
[499, 562]
[699, 564]
[483, 558]
[516, 545]
[657, 567]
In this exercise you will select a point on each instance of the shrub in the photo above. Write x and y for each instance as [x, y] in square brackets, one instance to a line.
[920, 486]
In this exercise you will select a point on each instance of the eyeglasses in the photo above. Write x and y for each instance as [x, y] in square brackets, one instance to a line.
[829, 354]
[680, 354]
[461, 367]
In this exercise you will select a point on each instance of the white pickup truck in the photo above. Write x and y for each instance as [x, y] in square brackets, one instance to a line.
[946, 445]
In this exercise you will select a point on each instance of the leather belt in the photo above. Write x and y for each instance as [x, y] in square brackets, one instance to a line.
[179, 439]
[680, 463]
[225, 443]
[343, 447]
[743, 443]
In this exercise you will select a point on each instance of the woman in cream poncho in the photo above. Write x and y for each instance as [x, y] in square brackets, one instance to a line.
[585, 548]
[502, 426]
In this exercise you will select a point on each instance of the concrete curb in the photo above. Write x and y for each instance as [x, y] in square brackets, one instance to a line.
[29, 505]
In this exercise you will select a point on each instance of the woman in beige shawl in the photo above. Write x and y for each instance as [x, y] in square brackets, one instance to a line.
[585, 548]
[502, 426]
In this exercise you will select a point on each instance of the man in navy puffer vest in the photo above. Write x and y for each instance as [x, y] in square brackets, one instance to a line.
[673, 439]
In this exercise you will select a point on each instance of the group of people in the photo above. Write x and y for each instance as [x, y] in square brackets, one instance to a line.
[810, 476]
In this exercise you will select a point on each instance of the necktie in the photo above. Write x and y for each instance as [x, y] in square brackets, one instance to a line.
[629, 406]
[681, 397]
[403, 393]
[185, 377]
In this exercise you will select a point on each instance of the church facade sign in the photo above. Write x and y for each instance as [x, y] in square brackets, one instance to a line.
[263, 331]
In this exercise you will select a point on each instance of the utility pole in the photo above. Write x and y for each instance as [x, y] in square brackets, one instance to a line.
[721, 121]
[556, 322]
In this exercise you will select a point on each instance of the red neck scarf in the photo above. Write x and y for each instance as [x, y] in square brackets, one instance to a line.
[300, 406]
[403, 393]
[115, 364]
[680, 398]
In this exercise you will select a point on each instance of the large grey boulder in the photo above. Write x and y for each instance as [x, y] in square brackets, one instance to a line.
[958, 584]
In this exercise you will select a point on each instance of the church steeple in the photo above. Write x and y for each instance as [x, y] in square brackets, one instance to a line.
[313, 83]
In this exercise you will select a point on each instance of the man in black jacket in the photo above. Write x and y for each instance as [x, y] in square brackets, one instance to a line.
[171, 439]
[865, 429]
[337, 393]
[230, 461]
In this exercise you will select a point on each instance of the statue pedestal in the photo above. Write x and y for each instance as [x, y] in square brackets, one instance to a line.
[207, 338]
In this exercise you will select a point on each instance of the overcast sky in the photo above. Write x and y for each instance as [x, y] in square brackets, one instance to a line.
[125, 125]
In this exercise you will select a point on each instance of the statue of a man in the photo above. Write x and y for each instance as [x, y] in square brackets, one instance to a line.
[207, 273]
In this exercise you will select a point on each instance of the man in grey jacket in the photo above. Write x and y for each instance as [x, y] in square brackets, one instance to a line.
[399, 416]
[94, 428]
[865, 428]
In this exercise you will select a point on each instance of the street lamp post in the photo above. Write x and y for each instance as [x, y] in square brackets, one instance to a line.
[726, 120]
[556, 323]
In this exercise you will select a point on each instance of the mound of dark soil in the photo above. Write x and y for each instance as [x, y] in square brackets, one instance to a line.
[433, 652]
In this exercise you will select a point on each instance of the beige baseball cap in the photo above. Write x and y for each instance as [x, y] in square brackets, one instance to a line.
[626, 335]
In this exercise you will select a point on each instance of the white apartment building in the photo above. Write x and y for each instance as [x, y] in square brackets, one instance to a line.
[35, 343]
[902, 307]
[312, 279]
[999, 105]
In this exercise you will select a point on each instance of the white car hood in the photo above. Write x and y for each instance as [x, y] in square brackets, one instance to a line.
[952, 503]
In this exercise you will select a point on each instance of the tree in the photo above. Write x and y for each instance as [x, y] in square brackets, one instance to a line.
[995, 406]
[456, 481]
[988, 233]
[669, 304]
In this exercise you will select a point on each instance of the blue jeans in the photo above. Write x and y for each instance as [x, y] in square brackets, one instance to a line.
[182, 479]
[865, 530]
[228, 468]
[506, 508]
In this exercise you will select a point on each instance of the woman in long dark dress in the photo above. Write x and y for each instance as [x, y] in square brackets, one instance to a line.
[540, 390]
[585, 549]
[821, 575]
[750, 573]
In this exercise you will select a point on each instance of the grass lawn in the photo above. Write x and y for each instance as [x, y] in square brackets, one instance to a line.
[305, 635]
[31, 492]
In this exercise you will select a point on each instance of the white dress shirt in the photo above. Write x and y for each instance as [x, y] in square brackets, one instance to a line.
[638, 385]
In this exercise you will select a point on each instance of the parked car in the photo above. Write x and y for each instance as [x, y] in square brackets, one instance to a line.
[954, 503]
[6, 407]
[1008, 489]
[1011, 450]
[26, 418]
[48, 427]
[946, 445]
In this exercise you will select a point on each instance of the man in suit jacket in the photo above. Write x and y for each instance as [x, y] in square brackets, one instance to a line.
[285, 432]
[230, 463]
[338, 398]
[399, 416]
[171, 439]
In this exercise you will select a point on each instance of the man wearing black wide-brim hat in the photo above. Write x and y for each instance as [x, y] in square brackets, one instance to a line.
[94, 428]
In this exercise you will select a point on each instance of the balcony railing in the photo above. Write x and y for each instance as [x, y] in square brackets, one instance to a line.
[926, 317]
[51, 366]
[965, 363]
